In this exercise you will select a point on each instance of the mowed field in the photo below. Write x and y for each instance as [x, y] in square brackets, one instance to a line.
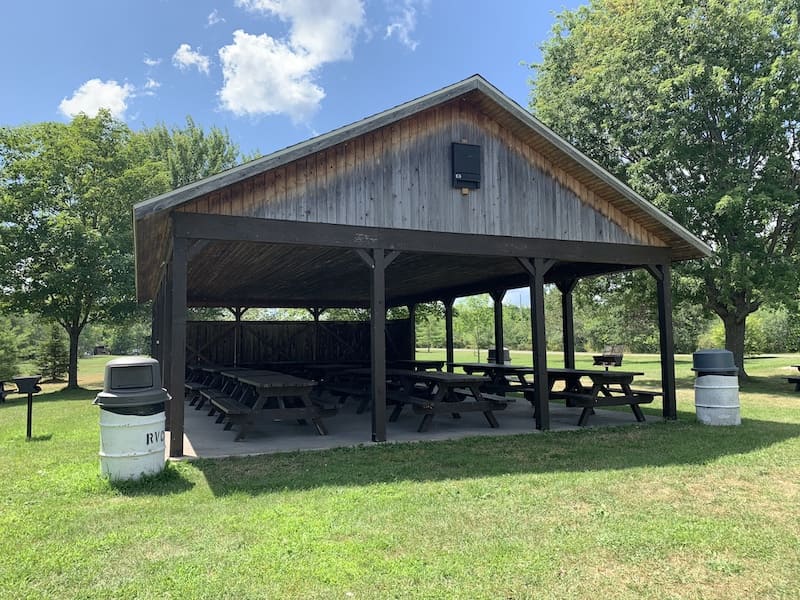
[660, 510]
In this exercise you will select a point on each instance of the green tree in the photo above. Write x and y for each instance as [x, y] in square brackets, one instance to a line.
[52, 360]
[8, 351]
[697, 106]
[476, 322]
[66, 192]
[190, 153]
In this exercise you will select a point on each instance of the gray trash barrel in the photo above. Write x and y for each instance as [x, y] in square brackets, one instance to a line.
[132, 418]
[716, 389]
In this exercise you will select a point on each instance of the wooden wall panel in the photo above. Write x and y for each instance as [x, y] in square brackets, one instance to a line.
[270, 341]
[399, 177]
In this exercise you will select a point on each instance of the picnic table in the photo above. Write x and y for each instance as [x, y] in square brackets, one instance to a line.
[418, 365]
[607, 388]
[277, 396]
[203, 378]
[503, 377]
[434, 392]
[324, 371]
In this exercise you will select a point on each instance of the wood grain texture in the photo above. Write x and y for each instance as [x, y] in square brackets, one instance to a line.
[399, 176]
[262, 342]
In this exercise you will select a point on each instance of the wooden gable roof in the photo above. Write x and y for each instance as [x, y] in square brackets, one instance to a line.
[392, 171]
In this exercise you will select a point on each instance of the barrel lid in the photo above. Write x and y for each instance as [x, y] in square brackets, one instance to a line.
[132, 398]
[714, 361]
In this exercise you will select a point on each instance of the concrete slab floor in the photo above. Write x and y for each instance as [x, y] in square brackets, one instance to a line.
[203, 438]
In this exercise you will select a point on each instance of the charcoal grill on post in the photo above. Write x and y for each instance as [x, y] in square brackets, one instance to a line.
[28, 385]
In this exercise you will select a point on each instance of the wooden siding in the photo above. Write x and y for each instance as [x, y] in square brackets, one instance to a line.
[399, 176]
[271, 341]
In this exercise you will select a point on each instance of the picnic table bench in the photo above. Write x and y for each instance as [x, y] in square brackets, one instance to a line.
[502, 377]
[608, 388]
[432, 393]
[417, 365]
[276, 396]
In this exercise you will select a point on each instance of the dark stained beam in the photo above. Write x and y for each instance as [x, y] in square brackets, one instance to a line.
[166, 332]
[497, 298]
[264, 302]
[316, 313]
[238, 313]
[412, 315]
[448, 331]
[252, 229]
[378, 344]
[177, 366]
[537, 268]
[663, 277]
[567, 321]
[155, 326]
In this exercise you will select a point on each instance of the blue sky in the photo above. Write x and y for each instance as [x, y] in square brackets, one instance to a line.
[273, 72]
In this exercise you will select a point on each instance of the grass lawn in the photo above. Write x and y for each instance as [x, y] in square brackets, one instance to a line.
[664, 510]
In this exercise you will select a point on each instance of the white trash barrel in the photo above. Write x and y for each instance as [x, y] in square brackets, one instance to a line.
[716, 389]
[131, 445]
[132, 419]
[716, 400]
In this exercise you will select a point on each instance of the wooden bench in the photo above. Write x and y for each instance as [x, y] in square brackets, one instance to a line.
[429, 408]
[589, 402]
[795, 381]
[466, 393]
[219, 383]
[343, 392]
[236, 408]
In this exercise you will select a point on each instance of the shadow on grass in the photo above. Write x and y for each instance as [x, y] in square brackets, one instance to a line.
[684, 442]
[170, 481]
[60, 395]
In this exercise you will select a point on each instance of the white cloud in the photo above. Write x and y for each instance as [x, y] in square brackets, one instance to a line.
[264, 75]
[214, 18]
[324, 30]
[94, 95]
[151, 62]
[185, 58]
[404, 24]
[150, 86]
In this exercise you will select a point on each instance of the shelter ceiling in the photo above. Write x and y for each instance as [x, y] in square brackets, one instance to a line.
[225, 273]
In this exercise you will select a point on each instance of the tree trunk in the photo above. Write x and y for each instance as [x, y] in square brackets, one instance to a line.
[734, 340]
[72, 374]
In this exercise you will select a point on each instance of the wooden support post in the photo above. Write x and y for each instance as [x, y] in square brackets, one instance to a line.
[378, 261]
[238, 313]
[536, 270]
[567, 321]
[315, 313]
[378, 345]
[412, 316]
[448, 332]
[166, 335]
[177, 324]
[154, 326]
[497, 298]
[663, 277]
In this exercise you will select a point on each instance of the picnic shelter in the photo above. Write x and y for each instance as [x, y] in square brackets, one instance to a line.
[458, 192]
